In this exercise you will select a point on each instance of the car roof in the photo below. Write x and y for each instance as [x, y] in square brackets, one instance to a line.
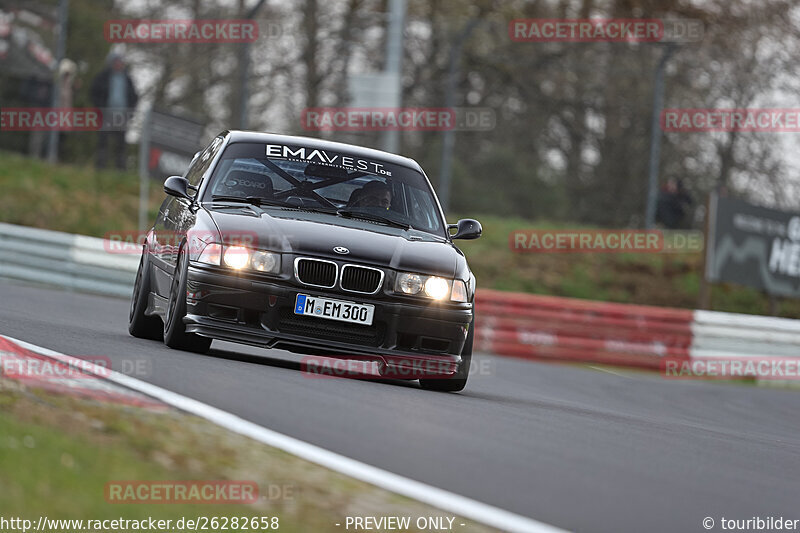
[235, 136]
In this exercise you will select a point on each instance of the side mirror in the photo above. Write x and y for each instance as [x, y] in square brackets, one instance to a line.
[466, 229]
[177, 186]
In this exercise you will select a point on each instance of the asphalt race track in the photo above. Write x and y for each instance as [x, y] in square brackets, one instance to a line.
[578, 448]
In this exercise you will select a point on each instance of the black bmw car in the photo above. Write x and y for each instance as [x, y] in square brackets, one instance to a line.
[312, 246]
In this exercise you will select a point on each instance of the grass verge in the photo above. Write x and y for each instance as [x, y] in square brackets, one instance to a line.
[57, 453]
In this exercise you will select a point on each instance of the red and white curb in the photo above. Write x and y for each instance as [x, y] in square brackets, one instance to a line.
[36, 370]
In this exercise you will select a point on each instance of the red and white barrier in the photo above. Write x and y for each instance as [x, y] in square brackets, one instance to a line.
[549, 327]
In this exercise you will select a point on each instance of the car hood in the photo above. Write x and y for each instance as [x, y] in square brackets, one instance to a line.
[317, 234]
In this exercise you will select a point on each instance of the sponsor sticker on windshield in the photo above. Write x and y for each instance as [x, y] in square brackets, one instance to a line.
[323, 157]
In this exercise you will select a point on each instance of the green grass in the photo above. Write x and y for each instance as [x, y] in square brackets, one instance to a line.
[70, 198]
[83, 200]
[50, 469]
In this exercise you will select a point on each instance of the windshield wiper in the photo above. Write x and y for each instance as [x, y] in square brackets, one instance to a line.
[350, 213]
[253, 200]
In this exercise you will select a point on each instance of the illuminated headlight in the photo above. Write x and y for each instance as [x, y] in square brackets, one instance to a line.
[417, 284]
[236, 257]
[265, 262]
[459, 293]
[436, 288]
[409, 283]
[239, 257]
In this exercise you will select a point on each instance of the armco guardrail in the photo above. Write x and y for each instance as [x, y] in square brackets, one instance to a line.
[65, 260]
[549, 327]
[728, 336]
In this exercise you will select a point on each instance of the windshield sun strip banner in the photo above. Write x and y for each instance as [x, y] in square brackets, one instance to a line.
[326, 158]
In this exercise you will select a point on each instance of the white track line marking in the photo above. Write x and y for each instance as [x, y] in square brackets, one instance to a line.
[607, 371]
[442, 499]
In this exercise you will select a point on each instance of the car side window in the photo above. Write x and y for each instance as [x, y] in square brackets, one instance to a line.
[421, 208]
[202, 163]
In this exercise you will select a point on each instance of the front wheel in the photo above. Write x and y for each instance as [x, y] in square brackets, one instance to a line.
[175, 335]
[459, 380]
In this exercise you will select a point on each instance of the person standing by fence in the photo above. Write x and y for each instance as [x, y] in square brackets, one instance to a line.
[113, 91]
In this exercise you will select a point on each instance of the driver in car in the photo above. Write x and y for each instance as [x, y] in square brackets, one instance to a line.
[373, 194]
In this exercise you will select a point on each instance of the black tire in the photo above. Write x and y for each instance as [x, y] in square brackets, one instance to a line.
[175, 335]
[459, 380]
[139, 324]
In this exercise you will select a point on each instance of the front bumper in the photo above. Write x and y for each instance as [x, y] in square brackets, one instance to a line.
[405, 336]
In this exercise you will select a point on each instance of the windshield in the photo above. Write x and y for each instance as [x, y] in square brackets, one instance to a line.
[326, 181]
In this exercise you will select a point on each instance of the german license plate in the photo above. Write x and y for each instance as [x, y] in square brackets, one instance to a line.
[334, 309]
